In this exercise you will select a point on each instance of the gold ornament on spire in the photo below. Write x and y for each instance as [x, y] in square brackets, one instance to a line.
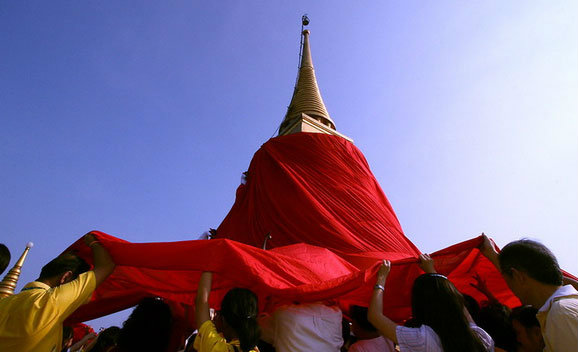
[307, 112]
[8, 285]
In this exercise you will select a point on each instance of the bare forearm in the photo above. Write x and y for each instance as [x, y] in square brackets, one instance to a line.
[383, 324]
[103, 263]
[202, 301]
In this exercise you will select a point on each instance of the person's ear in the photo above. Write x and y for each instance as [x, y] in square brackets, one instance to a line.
[66, 277]
[519, 276]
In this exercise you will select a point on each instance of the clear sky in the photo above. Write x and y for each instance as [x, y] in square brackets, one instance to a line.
[137, 118]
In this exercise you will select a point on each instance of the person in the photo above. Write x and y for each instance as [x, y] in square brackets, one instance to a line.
[237, 320]
[105, 341]
[4, 257]
[528, 334]
[147, 329]
[532, 272]
[312, 326]
[494, 318]
[368, 338]
[32, 319]
[438, 307]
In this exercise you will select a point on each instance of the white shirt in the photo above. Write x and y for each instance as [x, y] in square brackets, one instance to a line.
[378, 344]
[424, 339]
[558, 319]
[304, 327]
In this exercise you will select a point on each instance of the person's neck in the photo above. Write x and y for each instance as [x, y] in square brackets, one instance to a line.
[50, 282]
[540, 294]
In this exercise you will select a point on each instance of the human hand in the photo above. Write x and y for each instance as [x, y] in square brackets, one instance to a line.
[488, 247]
[480, 284]
[427, 263]
[383, 272]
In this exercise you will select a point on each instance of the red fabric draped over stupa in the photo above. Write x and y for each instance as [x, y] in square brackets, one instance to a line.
[317, 189]
[330, 224]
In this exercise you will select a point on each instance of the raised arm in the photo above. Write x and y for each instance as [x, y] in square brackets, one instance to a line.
[103, 263]
[383, 324]
[202, 313]
[488, 249]
[481, 286]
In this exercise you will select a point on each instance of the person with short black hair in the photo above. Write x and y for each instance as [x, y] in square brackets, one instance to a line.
[105, 341]
[32, 320]
[528, 334]
[4, 257]
[368, 338]
[534, 276]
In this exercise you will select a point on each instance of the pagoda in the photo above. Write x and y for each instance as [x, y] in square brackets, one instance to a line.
[307, 112]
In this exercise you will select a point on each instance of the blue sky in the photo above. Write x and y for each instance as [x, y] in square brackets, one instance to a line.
[137, 118]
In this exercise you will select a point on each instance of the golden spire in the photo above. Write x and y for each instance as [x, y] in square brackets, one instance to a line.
[8, 285]
[306, 97]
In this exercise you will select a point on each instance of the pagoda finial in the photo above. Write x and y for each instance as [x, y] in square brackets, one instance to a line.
[306, 96]
[8, 285]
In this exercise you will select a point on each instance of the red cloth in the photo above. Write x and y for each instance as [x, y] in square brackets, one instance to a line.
[79, 331]
[330, 223]
[291, 273]
[316, 189]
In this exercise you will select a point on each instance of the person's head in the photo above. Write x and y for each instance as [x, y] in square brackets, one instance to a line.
[148, 327]
[527, 328]
[495, 320]
[360, 326]
[4, 257]
[525, 263]
[62, 269]
[106, 339]
[437, 303]
[239, 310]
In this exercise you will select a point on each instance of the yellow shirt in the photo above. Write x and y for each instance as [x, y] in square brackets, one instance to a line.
[32, 320]
[209, 340]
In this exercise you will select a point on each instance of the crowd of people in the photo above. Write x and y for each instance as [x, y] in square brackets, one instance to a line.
[442, 318]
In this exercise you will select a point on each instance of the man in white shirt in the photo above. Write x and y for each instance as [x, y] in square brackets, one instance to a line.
[303, 327]
[533, 274]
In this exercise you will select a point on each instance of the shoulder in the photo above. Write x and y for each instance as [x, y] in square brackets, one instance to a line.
[81, 287]
[208, 339]
[484, 336]
[376, 344]
[565, 305]
[423, 338]
[563, 311]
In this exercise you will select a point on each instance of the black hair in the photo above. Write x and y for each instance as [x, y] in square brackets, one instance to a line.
[239, 308]
[106, 339]
[437, 303]
[359, 314]
[533, 258]
[148, 328]
[472, 306]
[494, 318]
[526, 315]
[63, 263]
[4, 257]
